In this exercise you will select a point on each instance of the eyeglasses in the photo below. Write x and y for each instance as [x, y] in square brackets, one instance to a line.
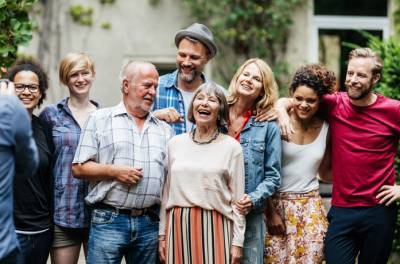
[20, 87]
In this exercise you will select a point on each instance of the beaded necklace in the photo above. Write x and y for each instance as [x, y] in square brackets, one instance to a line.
[204, 142]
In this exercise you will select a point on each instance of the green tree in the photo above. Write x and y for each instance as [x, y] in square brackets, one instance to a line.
[389, 51]
[15, 28]
[247, 28]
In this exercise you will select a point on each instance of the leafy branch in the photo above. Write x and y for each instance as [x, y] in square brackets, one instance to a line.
[16, 28]
[248, 28]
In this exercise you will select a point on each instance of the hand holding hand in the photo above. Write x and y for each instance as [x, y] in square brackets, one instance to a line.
[244, 205]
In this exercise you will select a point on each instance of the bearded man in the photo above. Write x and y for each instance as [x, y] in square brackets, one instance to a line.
[365, 132]
[196, 48]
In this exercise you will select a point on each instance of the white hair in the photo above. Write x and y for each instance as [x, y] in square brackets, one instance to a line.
[135, 67]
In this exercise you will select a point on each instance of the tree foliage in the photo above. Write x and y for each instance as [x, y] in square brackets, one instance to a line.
[389, 51]
[396, 18]
[16, 28]
[248, 28]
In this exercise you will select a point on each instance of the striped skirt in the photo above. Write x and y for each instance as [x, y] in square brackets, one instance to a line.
[197, 236]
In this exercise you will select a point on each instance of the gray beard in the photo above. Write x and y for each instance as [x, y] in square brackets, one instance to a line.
[187, 77]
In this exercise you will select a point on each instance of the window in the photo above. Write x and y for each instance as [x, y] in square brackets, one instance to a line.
[164, 68]
[351, 7]
[338, 22]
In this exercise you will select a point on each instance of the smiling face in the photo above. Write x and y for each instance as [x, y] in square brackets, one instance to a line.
[250, 82]
[80, 82]
[359, 78]
[206, 109]
[306, 102]
[140, 91]
[191, 59]
[27, 89]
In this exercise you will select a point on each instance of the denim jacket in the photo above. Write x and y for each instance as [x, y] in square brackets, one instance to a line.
[261, 145]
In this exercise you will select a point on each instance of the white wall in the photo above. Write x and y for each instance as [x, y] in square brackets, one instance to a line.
[138, 31]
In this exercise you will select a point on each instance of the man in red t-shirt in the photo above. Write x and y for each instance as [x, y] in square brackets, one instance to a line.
[365, 130]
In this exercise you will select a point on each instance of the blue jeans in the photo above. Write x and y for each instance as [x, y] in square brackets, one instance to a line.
[364, 231]
[113, 235]
[253, 247]
[10, 258]
[34, 248]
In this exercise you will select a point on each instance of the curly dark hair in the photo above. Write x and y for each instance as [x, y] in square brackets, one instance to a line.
[35, 67]
[316, 77]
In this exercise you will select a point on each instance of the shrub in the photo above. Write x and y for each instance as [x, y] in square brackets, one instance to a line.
[389, 86]
[16, 28]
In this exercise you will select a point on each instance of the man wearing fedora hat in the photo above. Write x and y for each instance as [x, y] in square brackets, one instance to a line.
[196, 48]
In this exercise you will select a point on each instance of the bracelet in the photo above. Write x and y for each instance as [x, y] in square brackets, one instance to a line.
[161, 238]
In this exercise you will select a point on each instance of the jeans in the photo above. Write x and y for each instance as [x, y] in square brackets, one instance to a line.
[34, 248]
[367, 231]
[253, 247]
[10, 258]
[113, 235]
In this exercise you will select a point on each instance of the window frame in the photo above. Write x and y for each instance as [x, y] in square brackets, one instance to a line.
[345, 23]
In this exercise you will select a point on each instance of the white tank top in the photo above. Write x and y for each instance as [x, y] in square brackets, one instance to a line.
[300, 164]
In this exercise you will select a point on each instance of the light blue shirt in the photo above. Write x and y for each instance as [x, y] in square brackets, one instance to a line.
[17, 153]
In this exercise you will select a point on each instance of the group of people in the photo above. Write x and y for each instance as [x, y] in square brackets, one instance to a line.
[49, 210]
[182, 171]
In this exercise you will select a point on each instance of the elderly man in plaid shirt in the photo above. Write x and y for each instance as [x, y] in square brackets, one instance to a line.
[122, 152]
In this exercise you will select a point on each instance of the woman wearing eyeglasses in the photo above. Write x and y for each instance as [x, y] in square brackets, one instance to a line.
[33, 195]
[67, 117]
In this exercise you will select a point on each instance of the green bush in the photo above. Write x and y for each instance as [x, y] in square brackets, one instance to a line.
[16, 28]
[389, 86]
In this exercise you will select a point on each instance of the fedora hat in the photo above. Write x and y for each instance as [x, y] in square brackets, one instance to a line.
[199, 32]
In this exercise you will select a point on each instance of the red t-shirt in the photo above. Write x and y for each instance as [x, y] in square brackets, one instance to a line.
[364, 147]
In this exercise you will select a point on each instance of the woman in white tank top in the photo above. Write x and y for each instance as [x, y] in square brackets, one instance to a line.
[296, 218]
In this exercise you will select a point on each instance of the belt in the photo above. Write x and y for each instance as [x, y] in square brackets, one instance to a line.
[152, 211]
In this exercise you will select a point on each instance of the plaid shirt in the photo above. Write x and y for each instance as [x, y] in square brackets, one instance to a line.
[168, 95]
[69, 193]
[111, 137]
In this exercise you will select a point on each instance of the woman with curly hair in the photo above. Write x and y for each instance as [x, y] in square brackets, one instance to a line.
[296, 218]
[33, 195]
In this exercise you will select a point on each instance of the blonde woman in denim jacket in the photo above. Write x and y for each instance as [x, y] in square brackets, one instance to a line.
[252, 90]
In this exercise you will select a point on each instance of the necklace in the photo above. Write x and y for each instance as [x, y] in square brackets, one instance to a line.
[205, 142]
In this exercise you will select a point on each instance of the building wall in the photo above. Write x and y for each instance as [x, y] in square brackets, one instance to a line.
[138, 31]
[300, 36]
